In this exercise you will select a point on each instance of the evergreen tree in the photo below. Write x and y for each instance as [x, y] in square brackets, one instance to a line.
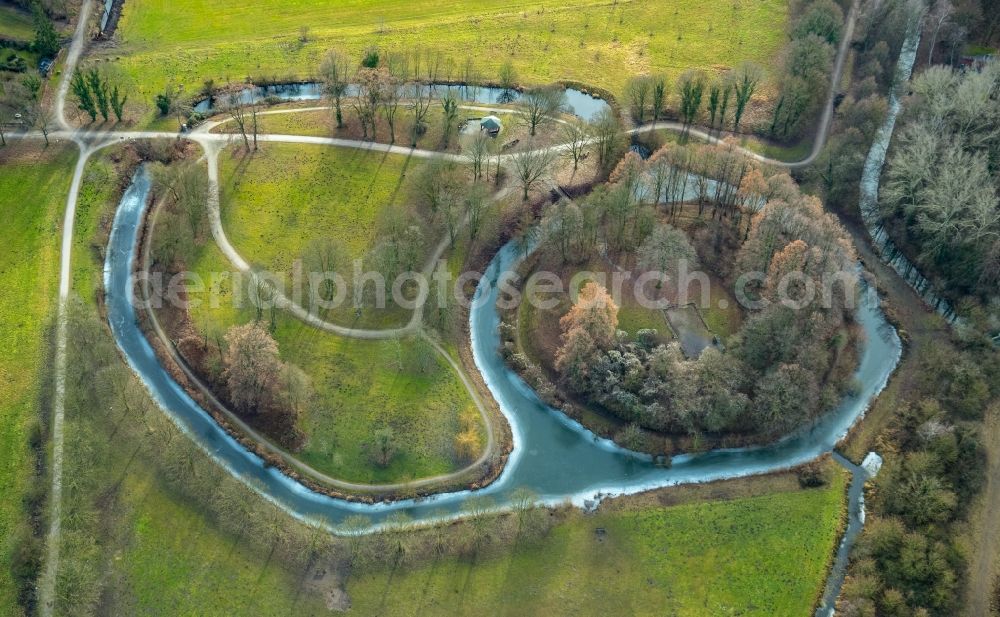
[46, 39]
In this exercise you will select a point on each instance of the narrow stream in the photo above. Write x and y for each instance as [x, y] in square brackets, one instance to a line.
[580, 103]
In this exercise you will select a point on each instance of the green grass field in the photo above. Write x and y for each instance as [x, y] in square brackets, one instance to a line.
[759, 547]
[15, 24]
[33, 190]
[360, 386]
[723, 322]
[285, 196]
[598, 43]
[176, 562]
[94, 209]
[762, 555]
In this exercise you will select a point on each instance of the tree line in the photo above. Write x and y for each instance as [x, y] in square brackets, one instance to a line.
[698, 96]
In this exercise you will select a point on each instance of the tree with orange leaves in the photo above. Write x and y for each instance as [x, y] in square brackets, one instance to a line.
[588, 328]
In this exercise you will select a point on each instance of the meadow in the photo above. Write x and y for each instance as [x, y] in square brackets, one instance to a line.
[95, 209]
[33, 188]
[600, 44]
[360, 386]
[755, 555]
[286, 196]
[275, 201]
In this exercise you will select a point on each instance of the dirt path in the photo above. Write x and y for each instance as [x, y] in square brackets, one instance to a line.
[48, 577]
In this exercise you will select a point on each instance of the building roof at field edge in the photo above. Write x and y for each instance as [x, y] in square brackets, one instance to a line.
[490, 123]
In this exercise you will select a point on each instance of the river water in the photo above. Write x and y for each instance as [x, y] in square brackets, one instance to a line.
[553, 456]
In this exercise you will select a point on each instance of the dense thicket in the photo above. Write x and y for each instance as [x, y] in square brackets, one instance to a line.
[943, 180]
[806, 65]
[910, 559]
[780, 368]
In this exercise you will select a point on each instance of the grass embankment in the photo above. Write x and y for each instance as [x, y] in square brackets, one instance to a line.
[758, 555]
[601, 44]
[778, 152]
[33, 188]
[95, 209]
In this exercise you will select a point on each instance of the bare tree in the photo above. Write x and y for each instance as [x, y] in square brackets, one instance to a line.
[239, 112]
[664, 248]
[939, 15]
[539, 105]
[321, 259]
[508, 76]
[253, 367]
[477, 204]
[254, 104]
[432, 65]
[336, 74]
[420, 104]
[470, 77]
[449, 109]
[478, 153]
[450, 209]
[638, 92]
[562, 226]
[43, 118]
[576, 137]
[366, 100]
[659, 171]
[531, 167]
[180, 108]
[389, 100]
[607, 137]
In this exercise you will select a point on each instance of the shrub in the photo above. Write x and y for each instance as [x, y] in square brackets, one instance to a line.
[370, 58]
[812, 475]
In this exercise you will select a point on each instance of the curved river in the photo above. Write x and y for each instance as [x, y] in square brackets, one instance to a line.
[553, 456]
